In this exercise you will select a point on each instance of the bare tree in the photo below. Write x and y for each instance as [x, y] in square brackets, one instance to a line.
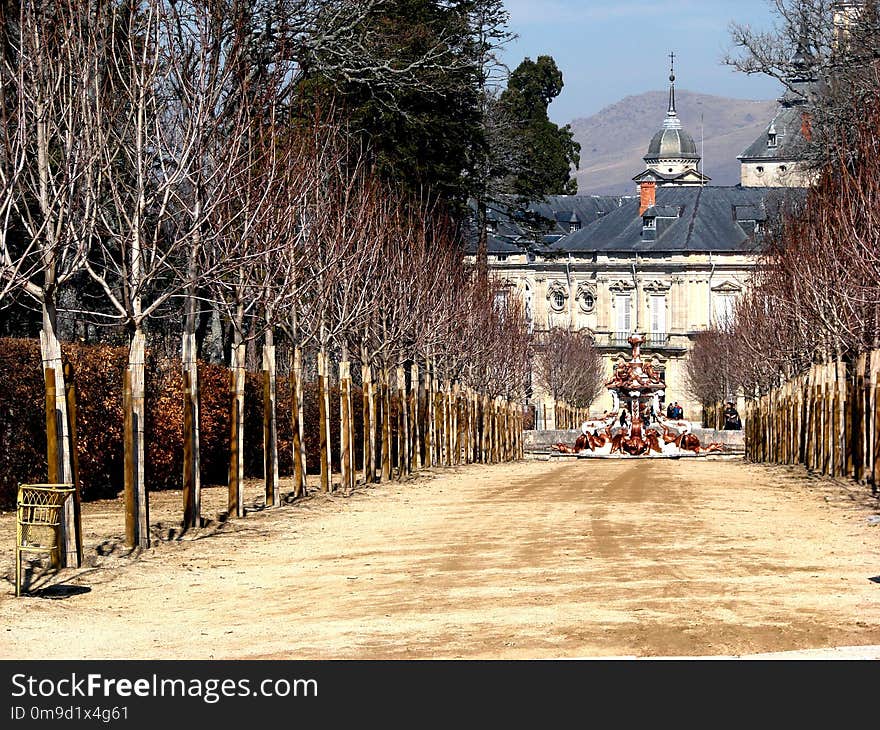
[814, 297]
[50, 72]
[138, 265]
[836, 44]
[205, 48]
[569, 367]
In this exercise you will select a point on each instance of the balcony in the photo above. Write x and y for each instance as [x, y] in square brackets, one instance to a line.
[656, 339]
[619, 339]
[653, 340]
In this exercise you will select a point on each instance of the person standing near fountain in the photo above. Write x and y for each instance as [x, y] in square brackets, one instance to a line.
[732, 421]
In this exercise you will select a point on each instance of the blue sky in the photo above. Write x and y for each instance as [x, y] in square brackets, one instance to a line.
[609, 50]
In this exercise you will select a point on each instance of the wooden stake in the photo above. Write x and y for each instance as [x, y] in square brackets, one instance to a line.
[233, 502]
[415, 394]
[130, 502]
[875, 482]
[236, 452]
[323, 418]
[189, 517]
[299, 481]
[52, 453]
[385, 386]
[345, 463]
[74, 552]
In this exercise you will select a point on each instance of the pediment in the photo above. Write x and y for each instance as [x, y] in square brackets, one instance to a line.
[727, 287]
[557, 287]
[657, 287]
[622, 285]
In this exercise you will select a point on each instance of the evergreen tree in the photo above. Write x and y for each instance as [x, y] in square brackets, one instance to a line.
[418, 105]
[533, 157]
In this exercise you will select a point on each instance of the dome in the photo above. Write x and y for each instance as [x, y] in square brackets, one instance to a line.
[672, 143]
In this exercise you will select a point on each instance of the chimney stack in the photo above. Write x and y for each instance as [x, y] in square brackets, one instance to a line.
[648, 192]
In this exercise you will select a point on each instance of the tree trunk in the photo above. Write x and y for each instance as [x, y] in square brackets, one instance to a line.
[369, 431]
[62, 469]
[345, 461]
[430, 435]
[385, 387]
[415, 392]
[137, 501]
[296, 423]
[270, 423]
[324, 421]
[192, 486]
[236, 451]
[448, 423]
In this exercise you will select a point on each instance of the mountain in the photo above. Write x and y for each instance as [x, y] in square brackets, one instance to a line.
[614, 141]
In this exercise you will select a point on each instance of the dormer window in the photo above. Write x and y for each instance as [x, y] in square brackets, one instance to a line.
[650, 222]
[771, 136]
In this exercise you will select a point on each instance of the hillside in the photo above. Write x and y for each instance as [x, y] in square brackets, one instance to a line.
[614, 141]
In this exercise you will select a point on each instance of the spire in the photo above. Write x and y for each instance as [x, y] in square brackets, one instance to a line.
[801, 61]
[672, 120]
[801, 76]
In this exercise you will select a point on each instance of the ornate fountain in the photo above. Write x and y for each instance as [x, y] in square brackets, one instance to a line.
[636, 425]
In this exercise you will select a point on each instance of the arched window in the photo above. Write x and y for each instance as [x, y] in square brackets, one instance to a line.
[558, 300]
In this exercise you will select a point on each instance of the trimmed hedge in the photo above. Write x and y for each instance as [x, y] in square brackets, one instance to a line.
[98, 376]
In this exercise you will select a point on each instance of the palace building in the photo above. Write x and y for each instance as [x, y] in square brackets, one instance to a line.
[666, 262]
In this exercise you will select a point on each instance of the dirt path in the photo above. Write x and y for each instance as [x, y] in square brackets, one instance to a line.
[532, 560]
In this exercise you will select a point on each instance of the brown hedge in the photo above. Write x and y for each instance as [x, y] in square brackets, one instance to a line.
[98, 378]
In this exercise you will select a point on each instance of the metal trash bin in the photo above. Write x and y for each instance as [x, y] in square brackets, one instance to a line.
[39, 513]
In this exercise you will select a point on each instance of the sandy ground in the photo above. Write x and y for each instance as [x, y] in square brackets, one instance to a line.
[538, 559]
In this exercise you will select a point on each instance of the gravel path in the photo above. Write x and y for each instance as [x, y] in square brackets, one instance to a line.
[540, 559]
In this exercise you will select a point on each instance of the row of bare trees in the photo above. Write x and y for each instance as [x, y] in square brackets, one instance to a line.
[152, 161]
[569, 368]
[816, 294]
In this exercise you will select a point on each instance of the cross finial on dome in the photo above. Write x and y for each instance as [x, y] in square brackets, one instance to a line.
[672, 121]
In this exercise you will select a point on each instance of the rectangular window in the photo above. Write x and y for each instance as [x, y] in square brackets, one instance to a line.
[658, 314]
[623, 305]
[723, 308]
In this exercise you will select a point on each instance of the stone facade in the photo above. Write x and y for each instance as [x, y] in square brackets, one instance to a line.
[668, 298]
[666, 263]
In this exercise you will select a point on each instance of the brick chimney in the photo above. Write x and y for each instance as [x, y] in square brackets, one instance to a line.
[648, 192]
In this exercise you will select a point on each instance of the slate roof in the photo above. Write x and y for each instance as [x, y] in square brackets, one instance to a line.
[788, 123]
[663, 211]
[541, 224]
[710, 219]
[689, 219]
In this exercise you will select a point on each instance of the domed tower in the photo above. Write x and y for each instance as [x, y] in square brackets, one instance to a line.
[672, 157]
